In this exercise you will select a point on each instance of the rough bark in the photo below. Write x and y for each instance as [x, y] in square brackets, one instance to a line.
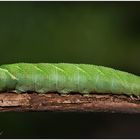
[74, 102]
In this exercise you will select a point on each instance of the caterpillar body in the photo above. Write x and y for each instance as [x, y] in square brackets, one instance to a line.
[65, 78]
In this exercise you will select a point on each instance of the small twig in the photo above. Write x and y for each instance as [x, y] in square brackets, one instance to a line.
[74, 102]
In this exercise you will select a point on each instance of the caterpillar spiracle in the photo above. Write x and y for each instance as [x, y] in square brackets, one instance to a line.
[65, 78]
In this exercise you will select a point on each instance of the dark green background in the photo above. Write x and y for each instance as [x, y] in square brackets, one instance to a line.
[102, 33]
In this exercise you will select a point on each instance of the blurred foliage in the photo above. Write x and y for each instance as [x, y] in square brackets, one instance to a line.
[102, 33]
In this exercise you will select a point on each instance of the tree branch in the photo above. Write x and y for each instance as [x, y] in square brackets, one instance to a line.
[74, 102]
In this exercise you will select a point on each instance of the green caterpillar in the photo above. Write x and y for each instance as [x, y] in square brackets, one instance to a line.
[65, 78]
